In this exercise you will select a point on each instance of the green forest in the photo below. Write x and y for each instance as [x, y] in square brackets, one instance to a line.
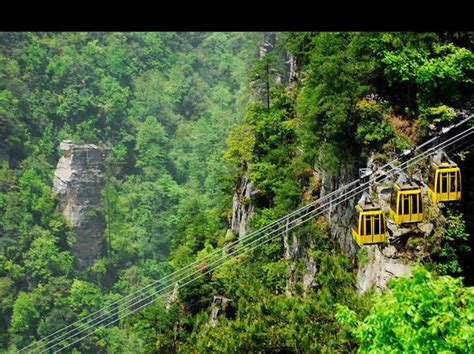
[199, 127]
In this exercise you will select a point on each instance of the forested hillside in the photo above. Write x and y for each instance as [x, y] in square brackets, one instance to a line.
[199, 128]
[163, 104]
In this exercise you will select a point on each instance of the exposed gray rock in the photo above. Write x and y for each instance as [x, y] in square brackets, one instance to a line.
[341, 216]
[384, 192]
[390, 252]
[242, 209]
[380, 268]
[397, 231]
[310, 273]
[291, 251]
[291, 246]
[173, 297]
[219, 306]
[406, 244]
[78, 181]
[426, 228]
[293, 70]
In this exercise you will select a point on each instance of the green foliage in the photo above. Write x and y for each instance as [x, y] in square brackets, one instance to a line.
[151, 146]
[174, 110]
[240, 145]
[36, 195]
[433, 70]
[401, 143]
[373, 129]
[23, 320]
[6, 305]
[453, 245]
[340, 71]
[163, 103]
[44, 259]
[423, 313]
[430, 64]
[84, 298]
[440, 114]
[362, 256]
[455, 227]
[264, 317]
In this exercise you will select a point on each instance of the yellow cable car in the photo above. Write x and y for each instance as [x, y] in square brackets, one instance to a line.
[444, 182]
[369, 226]
[406, 203]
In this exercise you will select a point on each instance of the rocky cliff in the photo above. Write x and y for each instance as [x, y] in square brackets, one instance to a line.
[406, 245]
[242, 209]
[376, 263]
[78, 181]
[340, 217]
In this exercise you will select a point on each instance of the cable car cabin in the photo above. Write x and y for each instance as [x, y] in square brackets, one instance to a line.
[406, 203]
[444, 182]
[369, 225]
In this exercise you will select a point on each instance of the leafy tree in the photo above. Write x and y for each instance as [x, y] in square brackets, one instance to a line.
[424, 313]
[84, 298]
[24, 320]
[453, 246]
[151, 146]
[44, 258]
[240, 145]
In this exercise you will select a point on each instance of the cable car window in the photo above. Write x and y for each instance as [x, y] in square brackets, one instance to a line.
[356, 221]
[431, 177]
[444, 184]
[414, 203]
[362, 226]
[438, 183]
[459, 180]
[452, 181]
[368, 225]
[420, 203]
[393, 200]
[406, 204]
[376, 224]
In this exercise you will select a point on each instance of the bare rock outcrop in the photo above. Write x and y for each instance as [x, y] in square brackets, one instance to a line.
[292, 250]
[310, 271]
[407, 243]
[382, 264]
[78, 181]
[242, 208]
[340, 216]
[220, 306]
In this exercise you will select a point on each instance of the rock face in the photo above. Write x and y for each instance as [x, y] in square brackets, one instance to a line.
[292, 250]
[293, 70]
[242, 209]
[407, 243]
[220, 306]
[78, 180]
[383, 264]
[341, 216]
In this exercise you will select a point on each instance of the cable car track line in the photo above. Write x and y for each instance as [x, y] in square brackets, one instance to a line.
[283, 222]
[310, 213]
[307, 217]
[418, 157]
[252, 234]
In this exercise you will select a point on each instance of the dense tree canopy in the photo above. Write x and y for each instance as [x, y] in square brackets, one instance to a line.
[187, 117]
[417, 315]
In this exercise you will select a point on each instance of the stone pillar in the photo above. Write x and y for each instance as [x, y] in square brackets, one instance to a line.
[78, 181]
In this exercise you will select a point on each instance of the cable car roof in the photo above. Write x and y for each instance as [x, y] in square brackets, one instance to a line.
[443, 161]
[367, 203]
[406, 183]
